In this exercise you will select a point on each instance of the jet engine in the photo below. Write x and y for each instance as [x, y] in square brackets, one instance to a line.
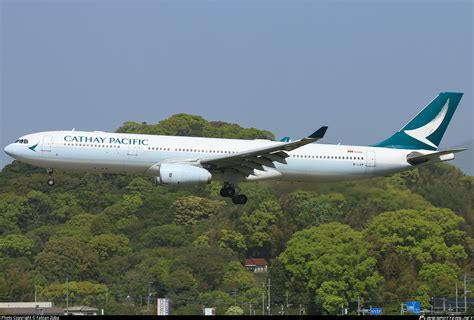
[176, 173]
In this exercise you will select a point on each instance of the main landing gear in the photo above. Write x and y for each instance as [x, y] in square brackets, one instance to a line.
[50, 177]
[228, 191]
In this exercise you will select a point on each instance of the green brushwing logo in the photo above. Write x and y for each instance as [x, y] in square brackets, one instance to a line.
[32, 148]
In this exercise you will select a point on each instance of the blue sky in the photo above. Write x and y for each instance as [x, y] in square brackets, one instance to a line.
[364, 68]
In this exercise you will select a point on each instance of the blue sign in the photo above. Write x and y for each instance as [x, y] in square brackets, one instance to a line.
[375, 311]
[413, 307]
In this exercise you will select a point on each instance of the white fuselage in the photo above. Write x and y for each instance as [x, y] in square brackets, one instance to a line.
[137, 153]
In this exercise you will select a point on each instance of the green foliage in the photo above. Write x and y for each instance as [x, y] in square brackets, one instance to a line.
[332, 251]
[234, 311]
[66, 256]
[16, 279]
[202, 241]
[80, 293]
[257, 224]
[65, 206]
[190, 210]
[109, 245]
[165, 235]
[81, 221]
[428, 236]
[220, 299]
[446, 186]
[237, 278]
[12, 209]
[232, 240]
[320, 209]
[16, 245]
[195, 126]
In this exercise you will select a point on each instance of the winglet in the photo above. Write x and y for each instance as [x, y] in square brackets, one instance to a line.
[318, 134]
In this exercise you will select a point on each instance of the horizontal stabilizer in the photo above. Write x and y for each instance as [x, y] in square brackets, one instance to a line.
[417, 158]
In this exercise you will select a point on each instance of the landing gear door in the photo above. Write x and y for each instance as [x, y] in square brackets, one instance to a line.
[370, 159]
[47, 143]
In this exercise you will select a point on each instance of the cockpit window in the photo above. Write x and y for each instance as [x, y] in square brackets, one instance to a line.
[22, 141]
[25, 140]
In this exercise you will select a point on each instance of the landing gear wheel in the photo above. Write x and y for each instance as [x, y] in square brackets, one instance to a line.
[50, 175]
[239, 199]
[227, 192]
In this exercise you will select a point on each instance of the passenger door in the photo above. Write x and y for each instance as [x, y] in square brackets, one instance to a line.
[47, 143]
[370, 159]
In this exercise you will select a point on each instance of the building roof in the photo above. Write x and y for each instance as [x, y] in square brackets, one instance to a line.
[256, 262]
[82, 309]
[32, 311]
[43, 304]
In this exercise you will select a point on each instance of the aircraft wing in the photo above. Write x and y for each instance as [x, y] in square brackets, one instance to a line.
[416, 158]
[246, 161]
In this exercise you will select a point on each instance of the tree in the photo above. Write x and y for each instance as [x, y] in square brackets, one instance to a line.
[81, 293]
[16, 245]
[318, 255]
[139, 186]
[446, 186]
[109, 245]
[66, 256]
[41, 206]
[119, 216]
[232, 240]
[429, 235]
[190, 210]
[165, 235]
[279, 281]
[195, 126]
[321, 209]
[234, 311]
[257, 224]
[425, 248]
[65, 206]
[237, 278]
[439, 277]
[84, 221]
[202, 241]
[12, 207]
[219, 299]
[182, 280]
[16, 279]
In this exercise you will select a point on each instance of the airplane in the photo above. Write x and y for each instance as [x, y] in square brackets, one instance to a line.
[174, 160]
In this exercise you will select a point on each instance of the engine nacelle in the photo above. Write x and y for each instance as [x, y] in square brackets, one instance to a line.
[176, 173]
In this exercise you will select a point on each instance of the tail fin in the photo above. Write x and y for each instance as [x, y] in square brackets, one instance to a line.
[427, 128]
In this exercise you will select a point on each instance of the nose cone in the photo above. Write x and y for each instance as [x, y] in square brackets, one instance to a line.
[9, 150]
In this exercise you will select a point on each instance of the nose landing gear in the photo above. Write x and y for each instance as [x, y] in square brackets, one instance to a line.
[228, 191]
[50, 177]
